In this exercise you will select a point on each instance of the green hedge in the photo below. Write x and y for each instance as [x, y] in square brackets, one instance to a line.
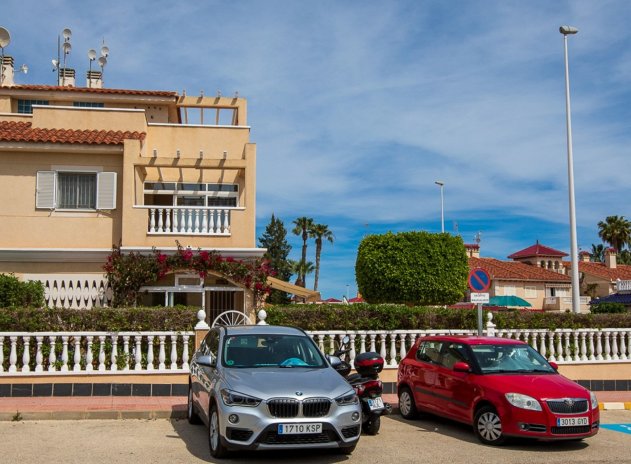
[98, 319]
[401, 317]
[14, 292]
[308, 317]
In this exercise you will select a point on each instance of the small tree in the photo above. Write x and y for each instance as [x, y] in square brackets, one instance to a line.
[275, 240]
[14, 292]
[412, 268]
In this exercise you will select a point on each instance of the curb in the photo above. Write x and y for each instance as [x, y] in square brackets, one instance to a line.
[609, 406]
[88, 415]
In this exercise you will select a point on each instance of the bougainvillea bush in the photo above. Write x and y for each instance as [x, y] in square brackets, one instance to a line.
[127, 272]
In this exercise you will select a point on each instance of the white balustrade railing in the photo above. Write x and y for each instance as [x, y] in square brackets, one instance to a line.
[180, 220]
[94, 352]
[147, 352]
[563, 346]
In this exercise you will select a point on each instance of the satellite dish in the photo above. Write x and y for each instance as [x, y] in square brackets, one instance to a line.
[24, 69]
[92, 54]
[5, 37]
[67, 47]
[105, 51]
[55, 63]
[102, 61]
[67, 33]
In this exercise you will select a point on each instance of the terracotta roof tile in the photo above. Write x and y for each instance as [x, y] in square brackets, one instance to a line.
[157, 93]
[511, 270]
[537, 250]
[17, 131]
[622, 271]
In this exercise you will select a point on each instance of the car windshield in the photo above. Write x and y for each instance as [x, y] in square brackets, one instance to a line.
[500, 359]
[287, 351]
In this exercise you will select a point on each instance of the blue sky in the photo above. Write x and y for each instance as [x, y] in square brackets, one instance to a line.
[357, 107]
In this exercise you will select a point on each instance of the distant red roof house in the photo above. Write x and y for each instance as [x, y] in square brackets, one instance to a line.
[537, 250]
[516, 271]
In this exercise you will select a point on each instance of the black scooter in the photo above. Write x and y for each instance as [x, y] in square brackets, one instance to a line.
[366, 384]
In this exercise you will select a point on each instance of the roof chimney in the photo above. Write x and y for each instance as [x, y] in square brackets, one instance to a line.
[610, 258]
[94, 79]
[8, 71]
[585, 256]
[66, 77]
[473, 250]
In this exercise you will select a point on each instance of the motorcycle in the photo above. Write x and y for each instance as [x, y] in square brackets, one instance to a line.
[365, 382]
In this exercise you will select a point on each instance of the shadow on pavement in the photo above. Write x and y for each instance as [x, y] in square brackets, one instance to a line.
[434, 424]
[195, 438]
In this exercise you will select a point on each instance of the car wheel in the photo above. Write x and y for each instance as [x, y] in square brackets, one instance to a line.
[372, 425]
[191, 414]
[407, 407]
[217, 448]
[487, 426]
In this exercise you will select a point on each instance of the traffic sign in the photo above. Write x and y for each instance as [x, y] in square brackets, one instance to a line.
[479, 280]
[479, 298]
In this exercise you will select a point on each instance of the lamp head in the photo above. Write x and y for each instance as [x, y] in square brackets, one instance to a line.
[439, 182]
[568, 30]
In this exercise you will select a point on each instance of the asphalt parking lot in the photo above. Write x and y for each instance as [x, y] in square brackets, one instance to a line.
[430, 440]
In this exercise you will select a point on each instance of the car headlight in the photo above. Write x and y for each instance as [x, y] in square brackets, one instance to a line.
[523, 401]
[347, 399]
[593, 400]
[233, 398]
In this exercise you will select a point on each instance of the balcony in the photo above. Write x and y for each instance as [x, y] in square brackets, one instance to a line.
[564, 303]
[186, 220]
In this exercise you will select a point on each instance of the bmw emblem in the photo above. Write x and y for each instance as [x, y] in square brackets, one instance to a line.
[298, 393]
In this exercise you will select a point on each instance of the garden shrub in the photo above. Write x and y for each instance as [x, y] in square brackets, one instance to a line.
[608, 308]
[14, 292]
[414, 268]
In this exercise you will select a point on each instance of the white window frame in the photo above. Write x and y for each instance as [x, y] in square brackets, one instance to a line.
[530, 291]
[205, 194]
[47, 183]
[509, 290]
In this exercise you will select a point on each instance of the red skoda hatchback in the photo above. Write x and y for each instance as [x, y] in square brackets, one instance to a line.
[502, 387]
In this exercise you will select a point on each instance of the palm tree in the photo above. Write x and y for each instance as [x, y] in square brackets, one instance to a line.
[301, 268]
[598, 253]
[301, 228]
[616, 231]
[319, 232]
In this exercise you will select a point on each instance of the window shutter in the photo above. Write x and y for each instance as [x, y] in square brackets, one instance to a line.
[106, 190]
[45, 190]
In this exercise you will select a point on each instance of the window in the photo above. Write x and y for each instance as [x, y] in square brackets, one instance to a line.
[26, 106]
[88, 104]
[429, 352]
[70, 190]
[453, 353]
[510, 290]
[191, 194]
[531, 292]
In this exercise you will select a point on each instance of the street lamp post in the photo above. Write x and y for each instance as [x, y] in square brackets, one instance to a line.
[441, 184]
[576, 302]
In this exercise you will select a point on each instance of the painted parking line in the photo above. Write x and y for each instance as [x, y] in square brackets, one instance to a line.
[624, 428]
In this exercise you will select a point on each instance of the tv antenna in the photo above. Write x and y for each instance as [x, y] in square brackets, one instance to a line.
[478, 238]
[66, 47]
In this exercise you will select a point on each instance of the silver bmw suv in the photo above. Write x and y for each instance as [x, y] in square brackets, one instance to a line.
[270, 387]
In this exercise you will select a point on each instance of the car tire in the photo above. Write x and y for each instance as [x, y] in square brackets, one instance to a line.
[407, 406]
[487, 426]
[215, 440]
[191, 413]
[372, 425]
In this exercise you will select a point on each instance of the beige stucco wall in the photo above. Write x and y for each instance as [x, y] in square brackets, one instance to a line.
[498, 289]
[24, 226]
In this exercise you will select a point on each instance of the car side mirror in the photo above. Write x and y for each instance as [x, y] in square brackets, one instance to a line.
[462, 367]
[207, 360]
[554, 365]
